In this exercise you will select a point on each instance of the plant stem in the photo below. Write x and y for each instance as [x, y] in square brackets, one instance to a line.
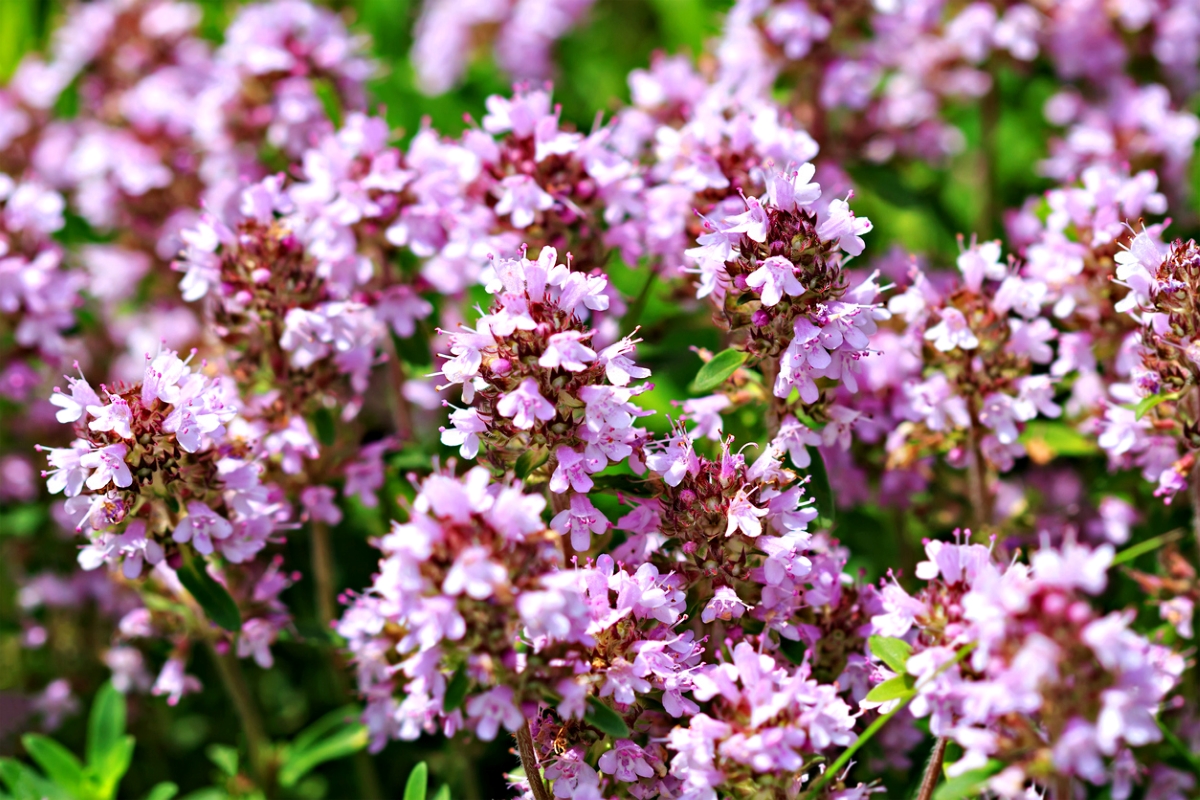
[1194, 495]
[770, 371]
[401, 413]
[977, 488]
[257, 744]
[560, 502]
[530, 762]
[989, 124]
[933, 770]
[847, 754]
[322, 570]
[322, 563]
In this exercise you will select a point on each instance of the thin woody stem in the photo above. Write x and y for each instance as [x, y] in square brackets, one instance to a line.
[529, 762]
[257, 743]
[1193, 401]
[770, 371]
[977, 486]
[1194, 495]
[322, 569]
[933, 770]
[401, 412]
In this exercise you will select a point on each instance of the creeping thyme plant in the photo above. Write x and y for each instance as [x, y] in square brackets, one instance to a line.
[690, 399]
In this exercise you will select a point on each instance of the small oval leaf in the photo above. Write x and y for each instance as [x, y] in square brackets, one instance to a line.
[211, 596]
[717, 371]
[1147, 403]
[530, 460]
[605, 719]
[60, 764]
[106, 724]
[895, 688]
[418, 783]
[822, 491]
[326, 426]
[891, 651]
[969, 784]
[456, 690]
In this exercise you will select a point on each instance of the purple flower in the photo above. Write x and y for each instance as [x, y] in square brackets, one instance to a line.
[525, 405]
[493, 708]
[174, 682]
[580, 521]
[109, 465]
[319, 504]
[841, 224]
[475, 574]
[201, 526]
[626, 762]
[775, 278]
[572, 471]
[522, 198]
[724, 605]
[953, 331]
[743, 515]
[567, 350]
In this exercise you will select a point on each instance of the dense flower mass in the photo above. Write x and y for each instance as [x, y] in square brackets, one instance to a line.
[819, 422]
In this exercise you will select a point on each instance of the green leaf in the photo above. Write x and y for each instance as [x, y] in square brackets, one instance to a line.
[605, 719]
[59, 764]
[442, 793]
[819, 486]
[1146, 403]
[530, 460]
[22, 521]
[225, 757]
[637, 308]
[794, 650]
[715, 372]
[163, 791]
[891, 651]
[1060, 438]
[1148, 546]
[456, 690]
[330, 99]
[969, 784]
[106, 724]
[418, 783]
[326, 426]
[26, 784]
[107, 773]
[348, 737]
[895, 688]
[211, 596]
[330, 722]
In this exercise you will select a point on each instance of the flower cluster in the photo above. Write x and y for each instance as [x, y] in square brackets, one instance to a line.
[1051, 688]
[536, 382]
[153, 468]
[37, 297]
[776, 271]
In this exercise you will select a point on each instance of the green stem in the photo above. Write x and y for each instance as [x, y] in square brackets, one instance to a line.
[1133, 551]
[1192, 759]
[990, 124]
[257, 743]
[847, 754]
[322, 568]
